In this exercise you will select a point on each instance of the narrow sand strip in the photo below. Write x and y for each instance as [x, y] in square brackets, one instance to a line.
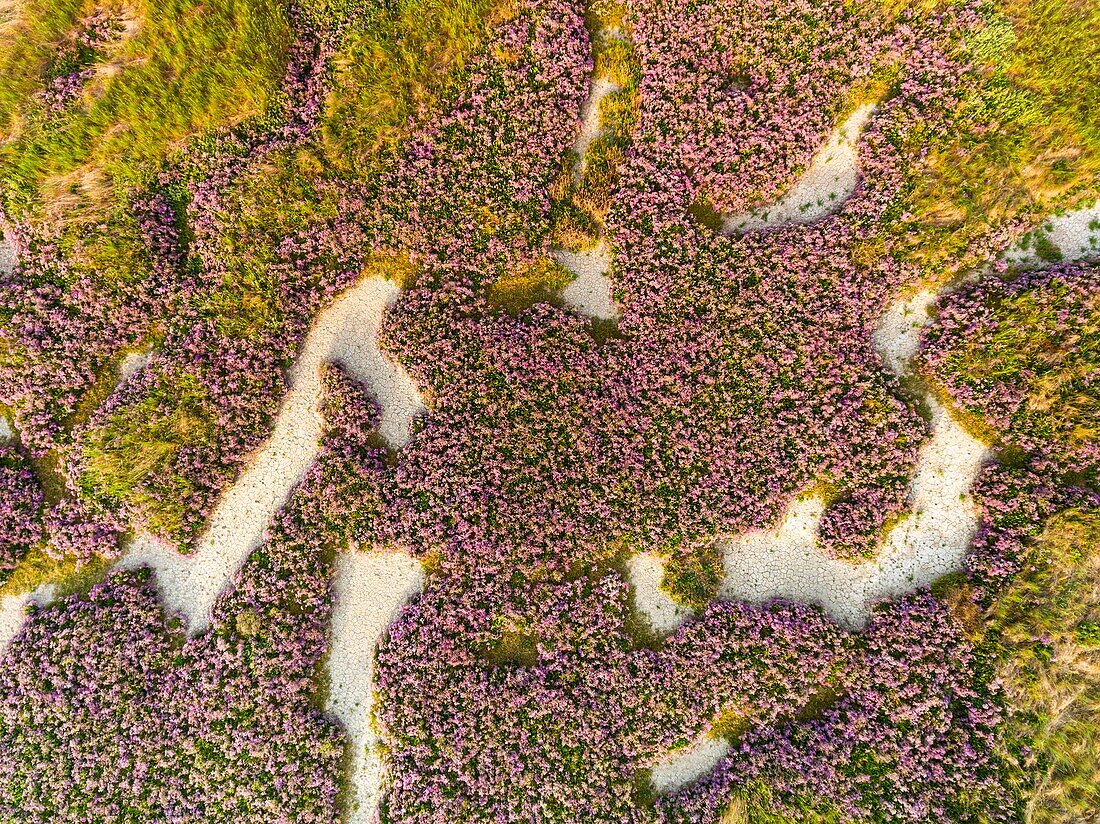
[371, 590]
[828, 182]
[13, 611]
[1075, 234]
[590, 291]
[590, 121]
[346, 332]
[680, 767]
[645, 571]
[7, 256]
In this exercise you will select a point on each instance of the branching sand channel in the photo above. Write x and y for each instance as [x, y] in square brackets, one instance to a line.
[347, 333]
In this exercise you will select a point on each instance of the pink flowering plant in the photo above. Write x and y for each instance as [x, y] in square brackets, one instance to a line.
[522, 683]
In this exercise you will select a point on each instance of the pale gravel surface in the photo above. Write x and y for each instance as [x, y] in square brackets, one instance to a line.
[645, 571]
[1076, 234]
[370, 591]
[590, 120]
[680, 767]
[589, 293]
[346, 332]
[13, 611]
[829, 181]
[7, 256]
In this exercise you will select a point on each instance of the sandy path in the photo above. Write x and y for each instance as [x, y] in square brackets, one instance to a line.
[7, 256]
[680, 767]
[590, 121]
[371, 589]
[13, 611]
[927, 543]
[345, 332]
[829, 181]
[590, 291]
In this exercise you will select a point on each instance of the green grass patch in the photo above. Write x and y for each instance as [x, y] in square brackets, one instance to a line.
[1045, 629]
[127, 460]
[399, 61]
[187, 67]
[539, 283]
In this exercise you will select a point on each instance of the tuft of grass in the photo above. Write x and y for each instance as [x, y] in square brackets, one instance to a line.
[1044, 628]
[399, 61]
[693, 577]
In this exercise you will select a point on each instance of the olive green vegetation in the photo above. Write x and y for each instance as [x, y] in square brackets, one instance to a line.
[1025, 143]
[38, 568]
[538, 283]
[1044, 632]
[178, 68]
[693, 576]
[135, 445]
[1030, 348]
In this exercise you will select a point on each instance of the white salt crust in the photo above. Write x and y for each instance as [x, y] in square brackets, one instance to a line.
[645, 571]
[13, 611]
[680, 767]
[827, 183]
[1076, 235]
[346, 332]
[589, 293]
[370, 591]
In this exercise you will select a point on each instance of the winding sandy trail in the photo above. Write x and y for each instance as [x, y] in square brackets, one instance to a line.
[371, 590]
[346, 332]
[828, 182]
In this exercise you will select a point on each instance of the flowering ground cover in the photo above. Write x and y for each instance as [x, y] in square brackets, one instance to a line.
[394, 404]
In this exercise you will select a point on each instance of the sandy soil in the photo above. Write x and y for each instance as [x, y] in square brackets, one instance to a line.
[1075, 234]
[645, 571]
[371, 589]
[7, 256]
[590, 292]
[346, 332]
[13, 611]
[829, 181]
[680, 767]
[133, 363]
[590, 120]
